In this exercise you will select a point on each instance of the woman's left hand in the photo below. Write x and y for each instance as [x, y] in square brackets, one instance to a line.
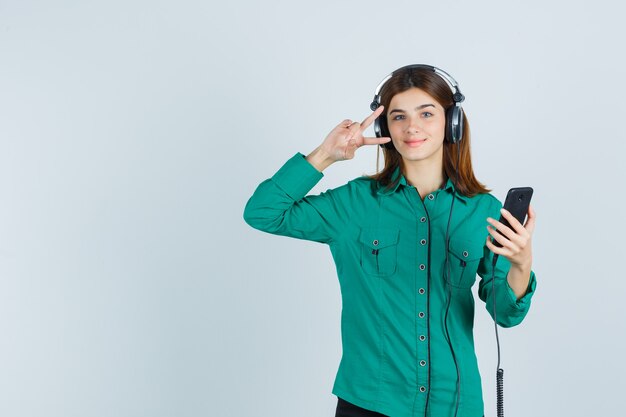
[516, 242]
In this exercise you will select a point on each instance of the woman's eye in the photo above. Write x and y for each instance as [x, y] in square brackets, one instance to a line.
[397, 117]
[427, 114]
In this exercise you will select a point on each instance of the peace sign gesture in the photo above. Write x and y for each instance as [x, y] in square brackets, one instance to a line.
[343, 141]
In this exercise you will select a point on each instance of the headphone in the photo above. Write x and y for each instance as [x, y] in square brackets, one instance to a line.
[454, 115]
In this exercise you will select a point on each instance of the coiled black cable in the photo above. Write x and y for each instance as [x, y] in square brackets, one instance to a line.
[499, 371]
[500, 391]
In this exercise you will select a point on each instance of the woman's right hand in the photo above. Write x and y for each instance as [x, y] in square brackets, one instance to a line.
[343, 141]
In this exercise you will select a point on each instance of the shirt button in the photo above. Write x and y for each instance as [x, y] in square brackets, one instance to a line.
[423, 363]
[423, 219]
[421, 314]
[422, 337]
[422, 267]
[375, 243]
[423, 241]
[421, 290]
[465, 253]
[431, 197]
[422, 389]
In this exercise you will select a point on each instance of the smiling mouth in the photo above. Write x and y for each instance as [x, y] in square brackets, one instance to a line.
[414, 142]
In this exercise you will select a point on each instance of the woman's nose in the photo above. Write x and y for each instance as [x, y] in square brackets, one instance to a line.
[413, 125]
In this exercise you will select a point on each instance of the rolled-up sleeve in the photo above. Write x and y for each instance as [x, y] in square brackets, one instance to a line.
[510, 310]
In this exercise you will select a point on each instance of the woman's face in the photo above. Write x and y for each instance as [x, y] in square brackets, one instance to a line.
[417, 124]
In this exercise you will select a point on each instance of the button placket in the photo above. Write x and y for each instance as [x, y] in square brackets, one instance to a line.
[422, 242]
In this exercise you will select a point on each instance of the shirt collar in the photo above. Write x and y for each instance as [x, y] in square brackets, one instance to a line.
[449, 185]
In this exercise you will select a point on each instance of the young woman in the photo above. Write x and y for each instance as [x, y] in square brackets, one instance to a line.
[406, 254]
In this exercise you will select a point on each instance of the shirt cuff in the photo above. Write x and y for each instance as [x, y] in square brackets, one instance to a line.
[523, 302]
[297, 176]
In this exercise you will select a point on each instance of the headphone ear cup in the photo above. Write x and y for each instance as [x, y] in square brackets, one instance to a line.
[381, 130]
[454, 124]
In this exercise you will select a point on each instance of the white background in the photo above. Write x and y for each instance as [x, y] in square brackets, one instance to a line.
[133, 132]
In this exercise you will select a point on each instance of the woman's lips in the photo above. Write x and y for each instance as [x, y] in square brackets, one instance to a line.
[413, 143]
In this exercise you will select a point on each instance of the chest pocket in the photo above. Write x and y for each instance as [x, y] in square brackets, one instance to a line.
[464, 258]
[379, 251]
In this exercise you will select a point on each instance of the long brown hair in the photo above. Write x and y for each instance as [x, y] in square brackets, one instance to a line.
[431, 83]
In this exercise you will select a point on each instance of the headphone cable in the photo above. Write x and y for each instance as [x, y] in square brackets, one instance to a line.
[499, 371]
[449, 290]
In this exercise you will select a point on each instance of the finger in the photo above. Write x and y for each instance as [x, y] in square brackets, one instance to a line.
[500, 238]
[495, 249]
[530, 221]
[504, 230]
[370, 119]
[353, 130]
[375, 141]
[515, 227]
[350, 148]
[344, 123]
[515, 224]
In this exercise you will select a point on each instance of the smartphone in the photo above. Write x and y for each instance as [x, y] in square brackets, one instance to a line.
[517, 202]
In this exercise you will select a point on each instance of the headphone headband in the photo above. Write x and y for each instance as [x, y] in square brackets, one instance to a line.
[457, 96]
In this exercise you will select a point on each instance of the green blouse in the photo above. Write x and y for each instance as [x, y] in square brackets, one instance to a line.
[388, 247]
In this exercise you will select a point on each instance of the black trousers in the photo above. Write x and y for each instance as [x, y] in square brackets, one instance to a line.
[346, 409]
